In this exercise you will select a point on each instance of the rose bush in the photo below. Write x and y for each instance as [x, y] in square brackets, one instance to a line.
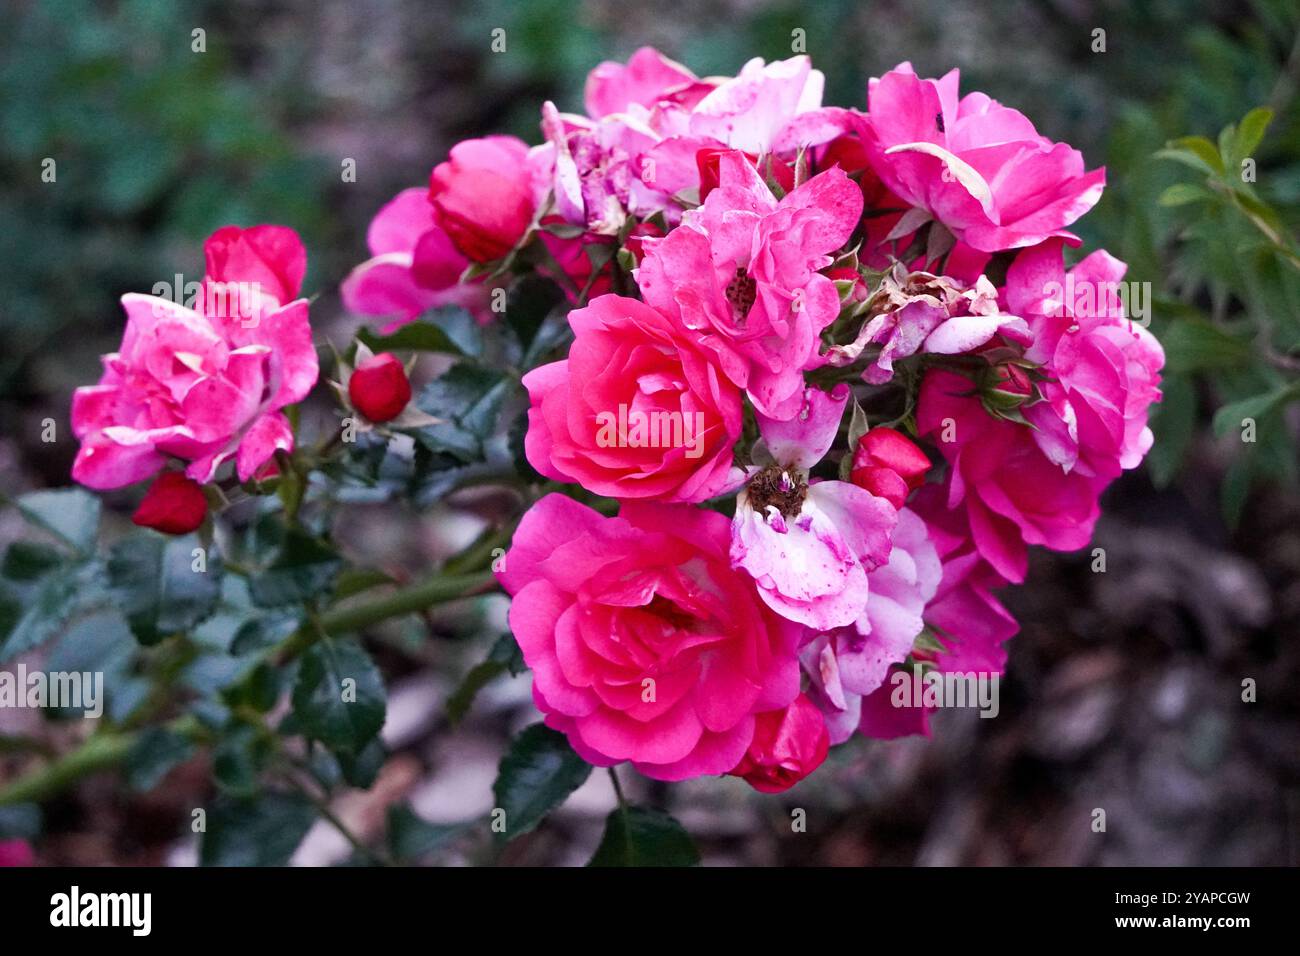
[779, 395]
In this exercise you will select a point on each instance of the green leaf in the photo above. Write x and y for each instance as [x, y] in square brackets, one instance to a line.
[339, 697]
[27, 561]
[158, 588]
[156, 751]
[468, 398]
[418, 336]
[1232, 415]
[239, 758]
[70, 514]
[259, 831]
[1235, 490]
[1194, 345]
[301, 570]
[1250, 132]
[60, 598]
[536, 775]
[1174, 424]
[641, 836]
[362, 769]
[1180, 194]
[504, 656]
[411, 838]
[1199, 147]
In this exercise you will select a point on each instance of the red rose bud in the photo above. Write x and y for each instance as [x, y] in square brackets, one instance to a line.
[379, 388]
[173, 504]
[787, 746]
[889, 465]
[483, 196]
[707, 162]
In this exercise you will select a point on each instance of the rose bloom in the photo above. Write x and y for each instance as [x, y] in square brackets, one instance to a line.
[204, 387]
[483, 196]
[644, 644]
[413, 268]
[629, 363]
[743, 275]
[1102, 371]
[975, 165]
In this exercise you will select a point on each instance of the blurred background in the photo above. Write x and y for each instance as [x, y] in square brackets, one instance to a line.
[1124, 688]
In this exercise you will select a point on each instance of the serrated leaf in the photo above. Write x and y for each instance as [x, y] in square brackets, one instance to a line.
[301, 569]
[641, 836]
[536, 775]
[468, 398]
[60, 597]
[27, 561]
[339, 697]
[70, 514]
[157, 587]
[504, 656]
[1193, 345]
[418, 336]
[258, 831]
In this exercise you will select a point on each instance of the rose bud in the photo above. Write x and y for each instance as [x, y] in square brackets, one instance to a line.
[483, 196]
[889, 465]
[787, 746]
[379, 388]
[174, 504]
[708, 161]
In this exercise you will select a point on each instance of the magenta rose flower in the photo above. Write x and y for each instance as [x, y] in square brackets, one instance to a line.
[742, 275]
[644, 644]
[413, 266]
[204, 387]
[1102, 371]
[976, 166]
[637, 410]
[483, 196]
[1013, 494]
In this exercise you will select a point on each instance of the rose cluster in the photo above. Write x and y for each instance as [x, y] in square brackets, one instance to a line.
[830, 365]
[788, 274]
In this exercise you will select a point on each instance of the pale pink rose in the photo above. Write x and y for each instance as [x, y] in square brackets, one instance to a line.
[644, 644]
[648, 79]
[638, 410]
[743, 275]
[976, 166]
[201, 388]
[414, 266]
[969, 623]
[1102, 371]
[1013, 494]
[809, 545]
[844, 664]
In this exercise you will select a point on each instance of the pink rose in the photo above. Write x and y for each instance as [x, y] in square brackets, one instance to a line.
[976, 166]
[1102, 372]
[271, 256]
[637, 410]
[742, 275]
[483, 196]
[16, 853]
[1013, 494]
[846, 664]
[413, 268]
[648, 79]
[204, 388]
[644, 644]
[809, 545]
[788, 745]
